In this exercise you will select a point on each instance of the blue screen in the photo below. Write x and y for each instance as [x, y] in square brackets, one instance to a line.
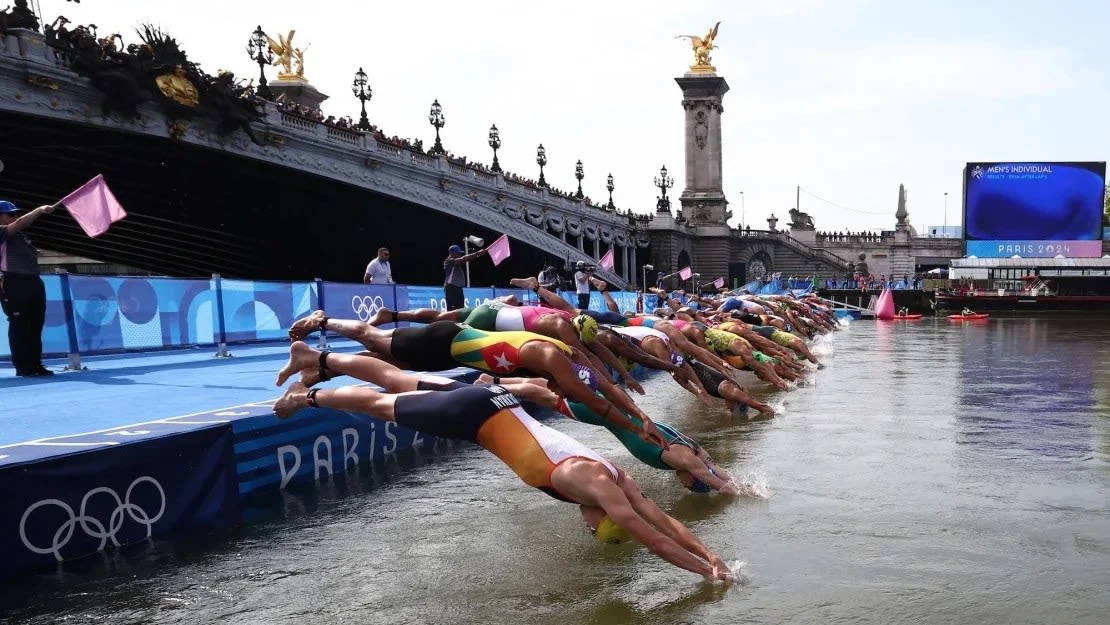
[1033, 209]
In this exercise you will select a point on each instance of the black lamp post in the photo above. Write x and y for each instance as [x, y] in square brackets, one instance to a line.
[363, 92]
[495, 142]
[579, 174]
[258, 47]
[610, 187]
[435, 118]
[541, 160]
[663, 182]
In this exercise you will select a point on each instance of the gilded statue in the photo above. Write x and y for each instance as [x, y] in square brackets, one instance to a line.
[702, 47]
[177, 87]
[298, 62]
[284, 55]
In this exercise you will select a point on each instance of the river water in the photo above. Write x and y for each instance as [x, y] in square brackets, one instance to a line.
[933, 472]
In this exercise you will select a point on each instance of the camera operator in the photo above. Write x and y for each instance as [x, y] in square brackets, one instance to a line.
[582, 283]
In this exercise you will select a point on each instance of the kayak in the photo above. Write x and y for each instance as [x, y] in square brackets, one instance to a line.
[969, 317]
[909, 316]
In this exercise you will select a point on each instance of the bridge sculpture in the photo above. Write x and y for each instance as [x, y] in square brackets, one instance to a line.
[36, 81]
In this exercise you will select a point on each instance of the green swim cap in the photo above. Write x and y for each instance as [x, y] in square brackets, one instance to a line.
[610, 533]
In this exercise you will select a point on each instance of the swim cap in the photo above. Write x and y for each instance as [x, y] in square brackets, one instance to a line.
[586, 326]
[610, 533]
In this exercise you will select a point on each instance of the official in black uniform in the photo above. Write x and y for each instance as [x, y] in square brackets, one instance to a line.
[22, 293]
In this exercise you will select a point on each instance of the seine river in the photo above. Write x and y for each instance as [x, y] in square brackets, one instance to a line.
[933, 472]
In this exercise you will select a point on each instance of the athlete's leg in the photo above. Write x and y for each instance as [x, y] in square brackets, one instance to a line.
[373, 339]
[551, 299]
[359, 399]
[304, 358]
[419, 315]
[736, 394]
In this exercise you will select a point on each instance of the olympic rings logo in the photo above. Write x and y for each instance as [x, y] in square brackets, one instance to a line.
[366, 306]
[91, 525]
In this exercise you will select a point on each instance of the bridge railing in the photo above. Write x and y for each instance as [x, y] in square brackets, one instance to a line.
[95, 314]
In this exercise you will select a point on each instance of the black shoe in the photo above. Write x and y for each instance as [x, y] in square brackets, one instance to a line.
[42, 372]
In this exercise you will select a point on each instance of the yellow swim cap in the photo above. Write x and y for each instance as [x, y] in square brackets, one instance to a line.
[610, 533]
[586, 326]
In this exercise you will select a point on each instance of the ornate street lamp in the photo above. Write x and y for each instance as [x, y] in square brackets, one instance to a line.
[578, 173]
[541, 160]
[495, 142]
[363, 92]
[258, 47]
[435, 118]
[663, 182]
[610, 187]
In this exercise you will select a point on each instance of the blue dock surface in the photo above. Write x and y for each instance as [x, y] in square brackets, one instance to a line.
[142, 445]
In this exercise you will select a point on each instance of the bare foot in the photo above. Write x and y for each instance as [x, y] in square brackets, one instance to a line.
[525, 283]
[384, 315]
[310, 377]
[303, 327]
[295, 398]
[598, 283]
[301, 356]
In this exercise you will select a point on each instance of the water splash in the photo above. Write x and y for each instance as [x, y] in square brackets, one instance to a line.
[753, 485]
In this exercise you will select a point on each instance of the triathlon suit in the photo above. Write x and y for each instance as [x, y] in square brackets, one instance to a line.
[492, 417]
[730, 304]
[638, 333]
[720, 341]
[503, 317]
[446, 345]
[709, 377]
[648, 453]
[607, 317]
[764, 331]
[496, 352]
[642, 322]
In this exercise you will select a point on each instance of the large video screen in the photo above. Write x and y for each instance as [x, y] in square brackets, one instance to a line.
[1033, 210]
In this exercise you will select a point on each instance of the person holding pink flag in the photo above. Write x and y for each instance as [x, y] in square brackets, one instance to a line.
[454, 278]
[22, 292]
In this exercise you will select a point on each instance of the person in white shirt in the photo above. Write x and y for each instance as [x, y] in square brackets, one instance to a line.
[582, 285]
[379, 270]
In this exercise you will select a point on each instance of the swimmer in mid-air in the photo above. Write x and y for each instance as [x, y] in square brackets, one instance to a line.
[611, 502]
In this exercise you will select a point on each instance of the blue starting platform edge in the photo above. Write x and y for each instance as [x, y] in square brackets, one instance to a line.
[166, 441]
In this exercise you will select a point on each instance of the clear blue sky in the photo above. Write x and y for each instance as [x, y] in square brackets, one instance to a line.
[847, 98]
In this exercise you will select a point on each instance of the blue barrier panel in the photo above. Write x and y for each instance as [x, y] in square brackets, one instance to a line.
[357, 301]
[313, 444]
[117, 313]
[83, 503]
[413, 297]
[263, 311]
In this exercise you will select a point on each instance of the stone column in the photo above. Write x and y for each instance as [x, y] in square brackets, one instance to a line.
[703, 200]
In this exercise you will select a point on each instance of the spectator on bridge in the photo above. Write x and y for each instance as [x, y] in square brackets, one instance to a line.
[454, 278]
[22, 292]
[379, 271]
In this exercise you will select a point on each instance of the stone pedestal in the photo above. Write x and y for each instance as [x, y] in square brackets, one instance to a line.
[703, 200]
[299, 91]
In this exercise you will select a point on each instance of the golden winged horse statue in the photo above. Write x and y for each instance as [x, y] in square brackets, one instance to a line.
[702, 47]
[283, 53]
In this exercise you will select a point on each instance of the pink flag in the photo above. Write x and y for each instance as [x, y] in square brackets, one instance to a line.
[606, 261]
[719, 282]
[93, 206]
[499, 249]
[685, 273]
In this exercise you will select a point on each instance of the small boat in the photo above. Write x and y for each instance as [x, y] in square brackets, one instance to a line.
[908, 316]
[971, 317]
